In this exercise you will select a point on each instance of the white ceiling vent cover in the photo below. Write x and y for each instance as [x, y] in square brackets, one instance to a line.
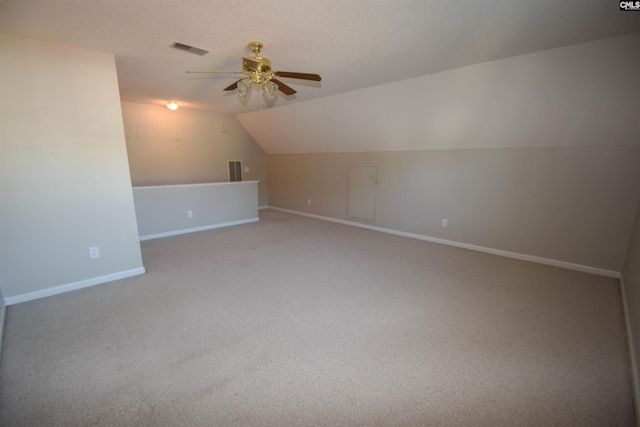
[190, 49]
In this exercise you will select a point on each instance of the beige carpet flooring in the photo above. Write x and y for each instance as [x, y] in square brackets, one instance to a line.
[298, 322]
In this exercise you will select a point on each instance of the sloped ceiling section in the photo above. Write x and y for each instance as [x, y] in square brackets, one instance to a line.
[579, 95]
[352, 44]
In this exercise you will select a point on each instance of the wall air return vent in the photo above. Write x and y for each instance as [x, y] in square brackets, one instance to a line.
[190, 49]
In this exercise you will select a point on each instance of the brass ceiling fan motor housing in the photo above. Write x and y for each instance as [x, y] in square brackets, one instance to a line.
[257, 65]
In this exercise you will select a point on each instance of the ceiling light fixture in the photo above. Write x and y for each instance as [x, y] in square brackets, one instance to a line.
[268, 87]
[172, 105]
[244, 87]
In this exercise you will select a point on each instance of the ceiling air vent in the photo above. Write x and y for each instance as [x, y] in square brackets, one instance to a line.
[190, 49]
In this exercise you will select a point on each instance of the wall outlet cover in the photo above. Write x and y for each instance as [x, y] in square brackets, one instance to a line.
[94, 252]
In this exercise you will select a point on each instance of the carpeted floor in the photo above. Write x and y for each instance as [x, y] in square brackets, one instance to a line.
[298, 322]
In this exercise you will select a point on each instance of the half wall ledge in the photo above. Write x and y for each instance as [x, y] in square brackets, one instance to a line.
[169, 210]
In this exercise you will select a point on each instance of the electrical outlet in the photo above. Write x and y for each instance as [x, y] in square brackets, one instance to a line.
[445, 222]
[246, 169]
[94, 252]
[309, 202]
[190, 214]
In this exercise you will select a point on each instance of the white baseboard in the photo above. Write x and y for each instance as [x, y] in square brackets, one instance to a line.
[632, 351]
[539, 260]
[263, 207]
[29, 296]
[3, 311]
[193, 230]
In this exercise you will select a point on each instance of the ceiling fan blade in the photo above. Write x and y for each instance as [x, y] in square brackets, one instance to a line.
[296, 75]
[283, 87]
[232, 86]
[216, 71]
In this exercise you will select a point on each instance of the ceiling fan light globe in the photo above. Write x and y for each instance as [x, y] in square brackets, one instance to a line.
[244, 87]
[269, 89]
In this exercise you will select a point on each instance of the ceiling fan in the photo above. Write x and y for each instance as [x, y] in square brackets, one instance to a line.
[257, 71]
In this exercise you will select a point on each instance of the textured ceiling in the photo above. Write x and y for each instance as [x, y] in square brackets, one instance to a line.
[353, 44]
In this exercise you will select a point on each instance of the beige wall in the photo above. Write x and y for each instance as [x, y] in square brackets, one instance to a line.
[163, 210]
[187, 146]
[64, 175]
[571, 204]
[535, 155]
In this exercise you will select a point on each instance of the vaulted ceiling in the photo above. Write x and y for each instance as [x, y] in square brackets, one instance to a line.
[353, 44]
